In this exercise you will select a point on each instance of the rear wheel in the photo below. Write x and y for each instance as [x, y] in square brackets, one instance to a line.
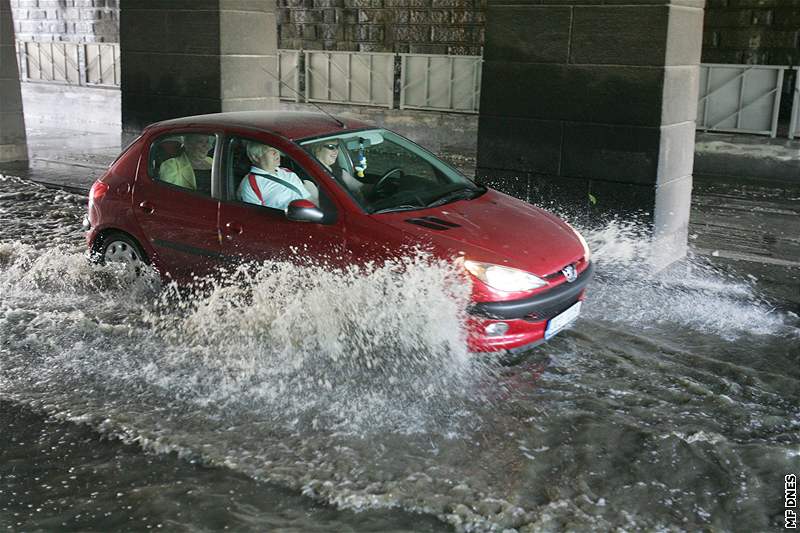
[120, 248]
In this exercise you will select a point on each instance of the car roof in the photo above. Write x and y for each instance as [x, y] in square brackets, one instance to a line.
[289, 124]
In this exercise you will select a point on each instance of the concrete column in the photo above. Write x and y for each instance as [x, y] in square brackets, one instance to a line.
[189, 57]
[13, 145]
[594, 104]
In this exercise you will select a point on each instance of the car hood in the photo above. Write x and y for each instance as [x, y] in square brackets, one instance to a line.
[494, 228]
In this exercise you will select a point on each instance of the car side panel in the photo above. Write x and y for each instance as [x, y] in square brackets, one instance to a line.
[179, 225]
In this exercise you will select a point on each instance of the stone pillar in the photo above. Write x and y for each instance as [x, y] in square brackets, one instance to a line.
[13, 145]
[189, 57]
[594, 104]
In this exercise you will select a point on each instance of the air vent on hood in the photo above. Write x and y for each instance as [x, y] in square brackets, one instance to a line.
[432, 223]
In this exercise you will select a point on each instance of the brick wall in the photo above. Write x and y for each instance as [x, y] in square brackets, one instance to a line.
[765, 32]
[417, 26]
[66, 20]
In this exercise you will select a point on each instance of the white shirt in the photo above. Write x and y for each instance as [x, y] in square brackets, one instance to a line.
[274, 194]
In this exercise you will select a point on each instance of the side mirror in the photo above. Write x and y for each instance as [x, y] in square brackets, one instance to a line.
[304, 211]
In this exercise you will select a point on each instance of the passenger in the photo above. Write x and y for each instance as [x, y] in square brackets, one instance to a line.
[327, 153]
[268, 184]
[192, 166]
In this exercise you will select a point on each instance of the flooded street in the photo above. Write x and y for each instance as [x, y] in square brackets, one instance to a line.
[307, 400]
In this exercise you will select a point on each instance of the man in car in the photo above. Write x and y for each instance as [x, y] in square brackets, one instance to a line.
[191, 169]
[268, 184]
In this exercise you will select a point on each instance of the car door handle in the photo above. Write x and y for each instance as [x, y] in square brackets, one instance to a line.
[147, 207]
[232, 229]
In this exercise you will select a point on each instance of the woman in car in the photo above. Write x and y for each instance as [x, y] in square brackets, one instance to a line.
[270, 185]
[192, 168]
[327, 153]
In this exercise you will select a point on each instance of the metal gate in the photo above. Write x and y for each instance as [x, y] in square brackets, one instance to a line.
[350, 78]
[440, 82]
[289, 74]
[102, 64]
[740, 98]
[50, 61]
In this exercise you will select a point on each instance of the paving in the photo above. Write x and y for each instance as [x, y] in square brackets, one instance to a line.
[744, 221]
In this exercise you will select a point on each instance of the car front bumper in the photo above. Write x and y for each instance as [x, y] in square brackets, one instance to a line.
[526, 318]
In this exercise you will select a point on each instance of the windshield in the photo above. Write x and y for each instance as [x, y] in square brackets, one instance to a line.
[384, 172]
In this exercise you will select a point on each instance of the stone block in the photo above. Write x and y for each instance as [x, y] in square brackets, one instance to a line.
[568, 196]
[681, 92]
[11, 96]
[248, 33]
[630, 201]
[528, 145]
[673, 203]
[305, 16]
[676, 152]
[347, 16]
[420, 16]
[142, 109]
[409, 34]
[629, 35]
[170, 32]
[12, 127]
[197, 6]
[427, 48]
[13, 152]
[250, 104]
[684, 36]
[728, 18]
[248, 77]
[625, 154]
[449, 34]
[602, 94]
[177, 75]
[528, 34]
[250, 6]
[375, 16]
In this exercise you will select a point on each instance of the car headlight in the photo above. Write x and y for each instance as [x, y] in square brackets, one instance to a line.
[503, 278]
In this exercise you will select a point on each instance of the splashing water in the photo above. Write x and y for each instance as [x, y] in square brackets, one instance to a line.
[691, 293]
[355, 387]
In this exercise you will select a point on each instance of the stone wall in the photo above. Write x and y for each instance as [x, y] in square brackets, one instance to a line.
[416, 26]
[765, 32]
[735, 31]
[66, 20]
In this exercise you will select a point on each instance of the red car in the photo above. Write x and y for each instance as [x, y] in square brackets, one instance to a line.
[193, 192]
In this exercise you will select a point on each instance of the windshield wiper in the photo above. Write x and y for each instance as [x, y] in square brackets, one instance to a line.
[397, 208]
[458, 194]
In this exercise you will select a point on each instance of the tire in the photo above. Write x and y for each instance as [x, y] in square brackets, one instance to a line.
[117, 247]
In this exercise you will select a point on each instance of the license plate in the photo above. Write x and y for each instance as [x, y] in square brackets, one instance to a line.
[561, 321]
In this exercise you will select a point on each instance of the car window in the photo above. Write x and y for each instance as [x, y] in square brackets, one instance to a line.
[184, 160]
[383, 171]
[260, 174]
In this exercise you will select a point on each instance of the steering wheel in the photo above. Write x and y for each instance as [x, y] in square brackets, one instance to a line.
[383, 180]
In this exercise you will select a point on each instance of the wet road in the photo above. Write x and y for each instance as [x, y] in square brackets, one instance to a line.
[673, 403]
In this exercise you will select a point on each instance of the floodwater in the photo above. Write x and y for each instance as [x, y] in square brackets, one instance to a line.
[306, 400]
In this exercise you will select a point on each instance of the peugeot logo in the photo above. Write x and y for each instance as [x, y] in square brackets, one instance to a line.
[570, 273]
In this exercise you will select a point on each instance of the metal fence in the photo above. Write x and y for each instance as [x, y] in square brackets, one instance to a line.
[740, 98]
[733, 98]
[363, 78]
[289, 74]
[69, 63]
[440, 83]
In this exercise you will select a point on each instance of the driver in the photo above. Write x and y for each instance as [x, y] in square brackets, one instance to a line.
[327, 153]
[268, 184]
